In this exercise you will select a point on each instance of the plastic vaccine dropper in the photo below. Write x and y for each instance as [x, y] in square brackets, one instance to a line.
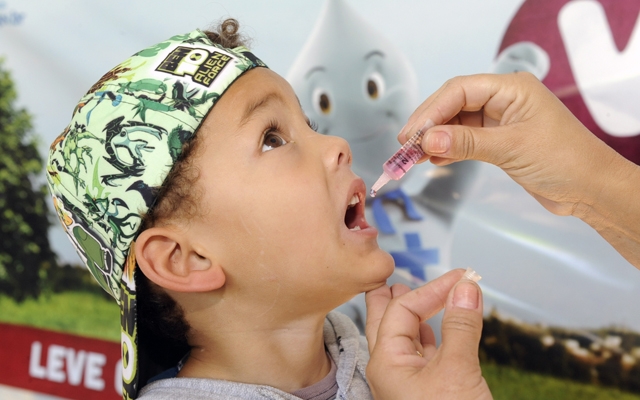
[402, 161]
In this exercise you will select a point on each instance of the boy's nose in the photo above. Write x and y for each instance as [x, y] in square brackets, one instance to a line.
[337, 152]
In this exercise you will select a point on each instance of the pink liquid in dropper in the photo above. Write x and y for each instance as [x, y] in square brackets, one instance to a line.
[405, 158]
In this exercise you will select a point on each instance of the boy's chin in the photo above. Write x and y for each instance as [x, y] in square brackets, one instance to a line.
[379, 270]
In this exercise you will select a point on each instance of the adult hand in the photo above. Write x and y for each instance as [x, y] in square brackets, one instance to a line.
[405, 363]
[516, 123]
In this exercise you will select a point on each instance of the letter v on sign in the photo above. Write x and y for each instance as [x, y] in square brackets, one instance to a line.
[75, 365]
[608, 79]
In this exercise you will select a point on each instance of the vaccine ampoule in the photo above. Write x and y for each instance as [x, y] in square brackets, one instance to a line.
[405, 158]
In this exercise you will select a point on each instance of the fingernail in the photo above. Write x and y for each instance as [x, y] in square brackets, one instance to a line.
[438, 142]
[466, 295]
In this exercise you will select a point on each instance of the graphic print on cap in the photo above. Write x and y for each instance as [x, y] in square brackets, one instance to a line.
[125, 135]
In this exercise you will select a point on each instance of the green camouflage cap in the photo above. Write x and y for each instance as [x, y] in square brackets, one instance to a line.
[124, 137]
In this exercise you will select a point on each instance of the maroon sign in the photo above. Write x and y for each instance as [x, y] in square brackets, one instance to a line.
[541, 22]
[60, 364]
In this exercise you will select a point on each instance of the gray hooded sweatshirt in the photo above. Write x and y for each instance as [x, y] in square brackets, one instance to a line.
[345, 345]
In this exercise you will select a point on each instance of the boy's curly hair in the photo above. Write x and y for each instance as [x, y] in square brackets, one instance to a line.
[163, 330]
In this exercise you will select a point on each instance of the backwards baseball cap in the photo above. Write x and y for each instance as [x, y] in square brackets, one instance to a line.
[125, 135]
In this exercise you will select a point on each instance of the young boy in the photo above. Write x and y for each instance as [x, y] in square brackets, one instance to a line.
[227, 234]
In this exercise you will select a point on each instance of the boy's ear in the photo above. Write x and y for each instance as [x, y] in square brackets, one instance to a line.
[168, 259]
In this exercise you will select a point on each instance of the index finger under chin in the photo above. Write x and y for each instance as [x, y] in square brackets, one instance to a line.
[402, 317]
[376, 301]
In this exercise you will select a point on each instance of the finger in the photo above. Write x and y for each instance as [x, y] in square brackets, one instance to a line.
[429, 351]
[427, 337]
[463, 93]
[467, 94]
[463, 142]
[376, 301]
[418, 347]
[413, 118]
[401, 320]
[398, 289]
[441, 162]
[379, 299]
[462, 322]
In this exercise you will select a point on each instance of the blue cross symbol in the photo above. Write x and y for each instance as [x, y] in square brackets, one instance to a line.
[380, 214]
[415, 258]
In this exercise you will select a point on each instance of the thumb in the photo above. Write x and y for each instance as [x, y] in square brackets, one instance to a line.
[463, 142]
[462, 323]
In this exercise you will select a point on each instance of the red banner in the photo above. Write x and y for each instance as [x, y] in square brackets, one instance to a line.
[60, 364]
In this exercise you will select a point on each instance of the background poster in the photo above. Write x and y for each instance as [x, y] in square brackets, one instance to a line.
[559, 299]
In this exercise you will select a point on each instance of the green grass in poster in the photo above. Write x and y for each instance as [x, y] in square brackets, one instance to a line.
[93, 315]
[512, 383]
[80, 313]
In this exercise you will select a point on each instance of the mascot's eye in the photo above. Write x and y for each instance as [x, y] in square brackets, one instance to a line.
[321, 101]
[372, 89]
[374, 86]
[325, 104]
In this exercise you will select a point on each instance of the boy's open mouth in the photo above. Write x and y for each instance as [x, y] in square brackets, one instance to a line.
[354, 216]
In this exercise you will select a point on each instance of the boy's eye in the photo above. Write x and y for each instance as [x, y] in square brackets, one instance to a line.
[272, 141]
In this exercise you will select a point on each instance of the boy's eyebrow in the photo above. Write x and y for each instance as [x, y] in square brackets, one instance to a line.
[260, 103]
